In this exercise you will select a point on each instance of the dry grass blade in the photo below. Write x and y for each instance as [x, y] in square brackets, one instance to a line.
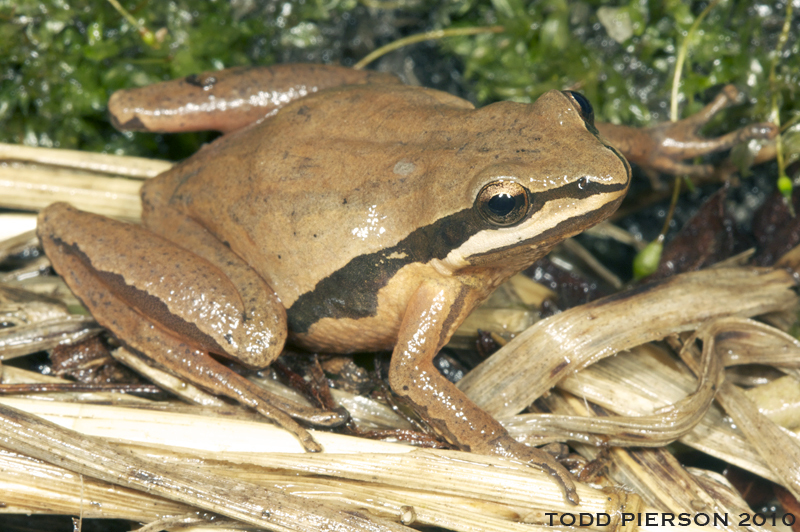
[37, 487]
[247, 502]
[777, 446]
[780, 448]
[17, 244]
[193, 522]
[25, 339]
[643, 381]
[427, 505]
[670, 487]
[656, 475]
[195, 430]
[720, 489]
[535, 360]
[596, 266]
[32, 178]
[49, 287]
[33, 268]
[17, 376]
[19, 306]
[34, 188]
[369, 413]
[456, 490]
[100, 163]
[34, 486]
[751, 342]
[653, 430]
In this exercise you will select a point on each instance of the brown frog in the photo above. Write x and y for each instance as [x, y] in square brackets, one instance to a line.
[347, 211]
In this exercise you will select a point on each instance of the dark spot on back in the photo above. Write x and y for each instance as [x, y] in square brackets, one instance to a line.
[134, 124]
[205, 82]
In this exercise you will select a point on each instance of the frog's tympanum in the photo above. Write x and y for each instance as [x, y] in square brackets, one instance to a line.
[342, 212]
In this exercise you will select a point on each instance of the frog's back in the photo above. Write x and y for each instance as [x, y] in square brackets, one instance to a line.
[341, 195]
[344, 174]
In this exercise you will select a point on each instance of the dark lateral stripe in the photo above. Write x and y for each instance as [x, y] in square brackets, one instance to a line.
[352, 291]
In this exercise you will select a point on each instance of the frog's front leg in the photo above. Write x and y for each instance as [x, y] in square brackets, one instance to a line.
[434, 312]
[663, 147]
[168, 303]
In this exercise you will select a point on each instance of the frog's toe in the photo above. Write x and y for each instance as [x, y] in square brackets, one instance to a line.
[328, 418]
[507, 446]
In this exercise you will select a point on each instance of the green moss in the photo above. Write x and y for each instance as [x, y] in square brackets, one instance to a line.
[557, 44]
[61, 60]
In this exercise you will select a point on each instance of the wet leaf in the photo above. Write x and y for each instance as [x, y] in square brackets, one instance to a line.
[707, 238]
[775, 229]
[571, 288]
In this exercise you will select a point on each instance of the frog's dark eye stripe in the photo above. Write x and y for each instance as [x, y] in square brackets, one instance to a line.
[585, 108]
[503, 203]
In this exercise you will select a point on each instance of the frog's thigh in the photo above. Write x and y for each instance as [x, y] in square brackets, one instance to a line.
[262, 310]
[177, 289]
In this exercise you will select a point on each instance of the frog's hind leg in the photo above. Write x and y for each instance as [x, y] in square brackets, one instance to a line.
[227, 100]
[174, 226]
[200, 368]
[93, 254]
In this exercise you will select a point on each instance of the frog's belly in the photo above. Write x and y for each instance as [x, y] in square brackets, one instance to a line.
[346, 335]
[377, 331]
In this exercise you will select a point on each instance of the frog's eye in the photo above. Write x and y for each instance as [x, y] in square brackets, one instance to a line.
[503, 203]
[587, 113]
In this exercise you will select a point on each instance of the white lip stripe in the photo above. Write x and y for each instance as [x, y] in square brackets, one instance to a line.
[553, 213]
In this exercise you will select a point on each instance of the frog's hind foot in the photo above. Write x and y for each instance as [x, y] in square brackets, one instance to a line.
[327, 419]
[549, 464]
[505, 445]
[198, 367]
[222, 380]
[201, 369]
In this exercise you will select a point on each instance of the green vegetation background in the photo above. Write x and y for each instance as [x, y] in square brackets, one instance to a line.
[62, 59]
